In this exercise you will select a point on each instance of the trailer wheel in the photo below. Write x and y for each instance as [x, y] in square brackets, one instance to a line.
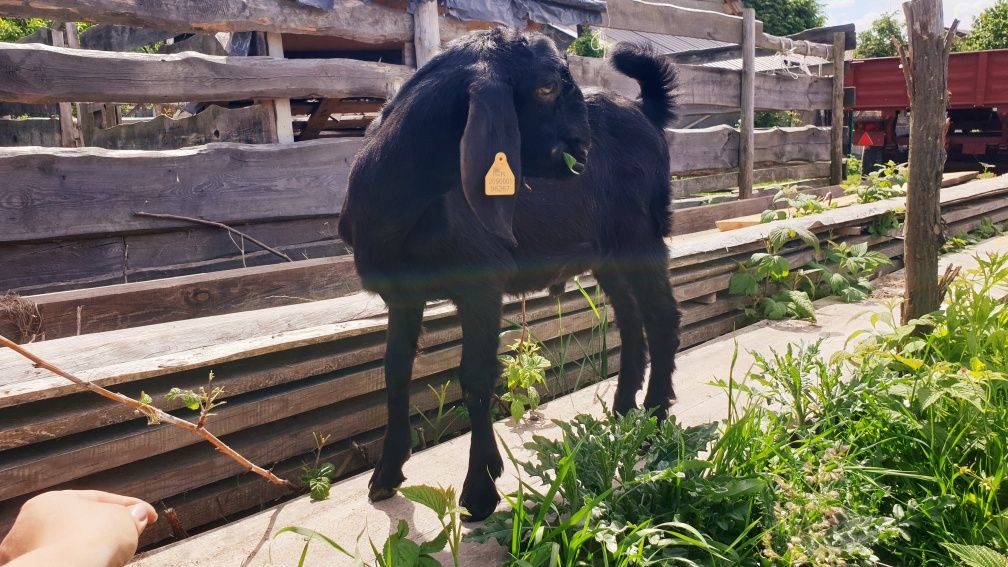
[873, 156]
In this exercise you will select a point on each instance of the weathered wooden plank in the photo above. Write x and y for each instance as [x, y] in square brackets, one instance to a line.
[360, 21]
[716, 148]
[690, 186]
[64, 192]
[90, 262]
[200, 43]
[654, 17]
[174, 299]
[48, 419]
[36, 73]
[31, 469]
[712, 88]
[111, 37]
[30, 132]
[247, 125]
[699, 219]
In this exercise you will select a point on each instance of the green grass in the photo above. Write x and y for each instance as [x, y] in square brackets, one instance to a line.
[894, 452]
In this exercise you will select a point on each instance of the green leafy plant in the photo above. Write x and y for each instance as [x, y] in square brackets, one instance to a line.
[318, 476]
[986, 229]
[853, 165]
[887, 181]
[846, 271]
[886, 224]
[770, 283]
[988, 171]
[892, 452]
[444, 417]
[202, 401]
[399, 550]
[588, 44]
[523, 371]
[796, 204]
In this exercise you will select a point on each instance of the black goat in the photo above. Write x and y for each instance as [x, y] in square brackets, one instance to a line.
[423, 228]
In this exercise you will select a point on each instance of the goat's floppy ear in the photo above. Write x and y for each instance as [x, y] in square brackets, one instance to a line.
[491, 129]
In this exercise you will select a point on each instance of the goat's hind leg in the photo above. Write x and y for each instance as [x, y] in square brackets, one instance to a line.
[653, 292]
[632, 347]
[400, 349]
[480, 315]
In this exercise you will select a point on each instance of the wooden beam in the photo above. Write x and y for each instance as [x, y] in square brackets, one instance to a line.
[426, 32]
[281, 106]
[691, 186]
[717, 148]
[318, 119]
[368, 23]
[37, 73]
[747, 150]
[247, 125]
[60, 193]
[733, 52]
[712, 89]
[111, 37]
[837, 112]
[653, 17]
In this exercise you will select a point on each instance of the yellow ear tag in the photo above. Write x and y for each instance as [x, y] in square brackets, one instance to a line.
[500, 181]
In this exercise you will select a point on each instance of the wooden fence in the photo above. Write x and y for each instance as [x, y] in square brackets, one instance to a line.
[138, 303]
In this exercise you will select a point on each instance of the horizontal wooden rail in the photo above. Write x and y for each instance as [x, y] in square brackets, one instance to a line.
[72, 192]
[690, 186]
[36, 73]
[653, 17]
[716, 148]
[360, 21]
[708, 90]
[61, 192]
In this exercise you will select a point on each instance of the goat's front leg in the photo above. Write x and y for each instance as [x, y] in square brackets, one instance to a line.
[400, 349]
[480, 315]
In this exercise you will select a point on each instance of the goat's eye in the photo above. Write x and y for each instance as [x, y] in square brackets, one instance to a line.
[546, 91]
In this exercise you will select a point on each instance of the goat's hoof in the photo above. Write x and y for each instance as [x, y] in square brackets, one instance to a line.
[623, 407]
[379, 493]
[479, 502]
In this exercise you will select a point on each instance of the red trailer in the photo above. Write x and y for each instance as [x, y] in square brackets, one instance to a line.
[978, 108]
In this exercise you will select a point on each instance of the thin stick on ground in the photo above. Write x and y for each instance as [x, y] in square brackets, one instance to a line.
[153, 414]
[257, 242]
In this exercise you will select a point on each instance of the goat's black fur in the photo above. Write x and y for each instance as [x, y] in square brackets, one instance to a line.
[422, 229]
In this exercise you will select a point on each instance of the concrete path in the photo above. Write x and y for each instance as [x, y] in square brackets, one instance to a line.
[347, 514]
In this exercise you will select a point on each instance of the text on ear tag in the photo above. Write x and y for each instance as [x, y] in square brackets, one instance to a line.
[500, 181]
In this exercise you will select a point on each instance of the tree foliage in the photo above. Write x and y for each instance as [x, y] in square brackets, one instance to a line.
[990, 30]
[786, 17]
[13, 29]
[877, 41]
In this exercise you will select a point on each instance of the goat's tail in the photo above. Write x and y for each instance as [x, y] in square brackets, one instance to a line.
[656, 76]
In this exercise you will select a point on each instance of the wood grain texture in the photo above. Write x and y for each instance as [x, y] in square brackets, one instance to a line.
[712, 89]
[690, 186]
[245, 125]
[747, 128]
[30, 132]
[368, 23]
[36, 73]
[112, 37]
[75, 192]
[717, 148]
[837, 113]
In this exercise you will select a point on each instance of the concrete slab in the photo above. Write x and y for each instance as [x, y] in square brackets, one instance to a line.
[348, 514]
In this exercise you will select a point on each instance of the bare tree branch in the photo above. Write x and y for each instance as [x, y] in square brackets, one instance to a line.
[153, 413]
[218, 225]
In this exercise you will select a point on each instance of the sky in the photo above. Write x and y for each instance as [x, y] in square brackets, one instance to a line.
[863, 12]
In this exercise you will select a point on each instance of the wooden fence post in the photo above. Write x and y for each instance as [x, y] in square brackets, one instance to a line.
[426, 31]
[284, 122]
[747, 124]
[837, 154]
[69, 133]
[925, 68]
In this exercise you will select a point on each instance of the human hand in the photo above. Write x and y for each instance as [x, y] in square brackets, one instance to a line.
[78, 528]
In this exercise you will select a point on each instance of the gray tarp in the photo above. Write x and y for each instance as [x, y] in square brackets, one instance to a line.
[514, 13]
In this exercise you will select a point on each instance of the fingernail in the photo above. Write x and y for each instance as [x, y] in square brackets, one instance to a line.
[139, 513]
